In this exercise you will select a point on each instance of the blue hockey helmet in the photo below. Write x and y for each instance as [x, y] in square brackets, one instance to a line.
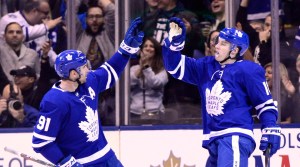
[69, 60]
[237, 38]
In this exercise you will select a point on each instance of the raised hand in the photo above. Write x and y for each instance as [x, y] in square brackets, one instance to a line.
[52, 23]
[177, 33]
[133, 38]
[288, 85]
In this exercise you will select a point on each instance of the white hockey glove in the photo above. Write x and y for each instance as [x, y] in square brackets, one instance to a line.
[69, 162]
[133, 38]
[176, 36]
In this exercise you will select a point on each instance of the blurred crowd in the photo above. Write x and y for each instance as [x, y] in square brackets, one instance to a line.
[33, 33]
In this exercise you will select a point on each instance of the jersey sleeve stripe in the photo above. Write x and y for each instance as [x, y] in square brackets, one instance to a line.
[180, 65]
[109, 76]
[213, 134]
[94, 156]
[258, 107]
[41, 144]
[266, 108]
[112, 71]
[43, 137]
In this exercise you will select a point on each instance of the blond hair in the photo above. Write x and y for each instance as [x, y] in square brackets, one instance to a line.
[282, 70]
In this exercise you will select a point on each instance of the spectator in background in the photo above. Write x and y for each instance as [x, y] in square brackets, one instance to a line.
[213, 21]
[32, 20]
[25, 78]
[260, 41]
[49, 39]
[150, 14]
[254, 34]
[14, 54]
[296, 82]
[97, 41]
[14, 113]
[210, 45]
[218, 10]
[147, 80]
[33, 89]
[287, 91]
[258, 10]
[3, 80]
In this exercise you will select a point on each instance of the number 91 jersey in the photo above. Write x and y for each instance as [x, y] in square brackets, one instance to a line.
[68, 122]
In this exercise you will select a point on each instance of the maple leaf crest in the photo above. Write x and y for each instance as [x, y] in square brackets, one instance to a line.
[172, 161]
[91, 126]
[215, 99]
[69, 57]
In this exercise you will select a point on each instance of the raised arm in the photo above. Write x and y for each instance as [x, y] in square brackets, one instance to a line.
[110, 71]
[179, 66]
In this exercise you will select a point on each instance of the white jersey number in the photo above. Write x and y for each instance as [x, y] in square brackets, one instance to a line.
[44, 123]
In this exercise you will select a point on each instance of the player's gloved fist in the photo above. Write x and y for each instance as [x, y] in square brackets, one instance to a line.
[69, 161]
[270, 136]
[177, 32]
[133, 38]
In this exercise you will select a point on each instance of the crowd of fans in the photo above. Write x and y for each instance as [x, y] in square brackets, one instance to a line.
[33, 33]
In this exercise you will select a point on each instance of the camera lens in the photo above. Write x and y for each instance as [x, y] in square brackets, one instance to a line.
[15, 104]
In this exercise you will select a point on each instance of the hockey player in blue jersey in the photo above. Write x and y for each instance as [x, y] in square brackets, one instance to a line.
[68, 132]
[229, 87]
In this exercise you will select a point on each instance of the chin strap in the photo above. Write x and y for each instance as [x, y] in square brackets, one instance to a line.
[77, 79]
[227, 58]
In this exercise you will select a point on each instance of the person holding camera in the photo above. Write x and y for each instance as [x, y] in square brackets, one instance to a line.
[13, 112]
[32, 88]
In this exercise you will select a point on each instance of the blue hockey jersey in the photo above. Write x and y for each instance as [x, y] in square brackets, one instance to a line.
[68, 122]
[228, 93]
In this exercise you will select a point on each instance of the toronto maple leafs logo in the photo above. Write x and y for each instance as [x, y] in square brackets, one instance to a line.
[215, 99]
[69, 57]
[91, 126]
[173, 161]
[239, 33]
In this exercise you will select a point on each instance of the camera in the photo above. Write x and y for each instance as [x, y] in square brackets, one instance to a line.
[13, 101]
